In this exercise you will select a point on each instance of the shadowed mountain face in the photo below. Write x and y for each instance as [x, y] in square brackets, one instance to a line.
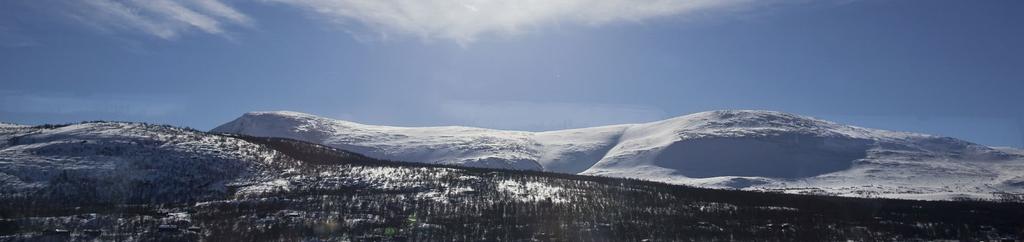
[788, 156]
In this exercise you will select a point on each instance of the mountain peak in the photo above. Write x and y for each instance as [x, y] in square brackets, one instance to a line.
[280, 113]
[755, 116]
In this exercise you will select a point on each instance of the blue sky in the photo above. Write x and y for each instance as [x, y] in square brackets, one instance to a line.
[952, 68]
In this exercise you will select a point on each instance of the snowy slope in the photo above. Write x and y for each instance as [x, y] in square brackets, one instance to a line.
[756, 150]
[113, 162]
[776, 151]
[10, 125]
[449, 145]
[135, 163]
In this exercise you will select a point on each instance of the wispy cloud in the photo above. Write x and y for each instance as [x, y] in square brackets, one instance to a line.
[166, 19]
[465, 20]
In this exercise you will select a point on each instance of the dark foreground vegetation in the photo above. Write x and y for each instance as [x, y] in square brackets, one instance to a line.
[329, 194]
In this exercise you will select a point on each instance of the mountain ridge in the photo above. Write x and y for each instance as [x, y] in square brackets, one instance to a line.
[741, 149]
[117, 181]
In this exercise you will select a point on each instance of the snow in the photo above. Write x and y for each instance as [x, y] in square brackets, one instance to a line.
[531, 191]
[575, 150]
[736, 149]
[443, 145]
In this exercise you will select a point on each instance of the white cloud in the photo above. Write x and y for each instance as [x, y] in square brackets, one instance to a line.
[217, 8]
[465, 20]
[165, 19]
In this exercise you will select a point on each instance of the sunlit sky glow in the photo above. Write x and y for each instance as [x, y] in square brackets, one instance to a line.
[942, 67]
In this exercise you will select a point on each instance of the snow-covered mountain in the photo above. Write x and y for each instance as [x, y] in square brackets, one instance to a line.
[115, 162]
[756, 150]
[138, 182]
